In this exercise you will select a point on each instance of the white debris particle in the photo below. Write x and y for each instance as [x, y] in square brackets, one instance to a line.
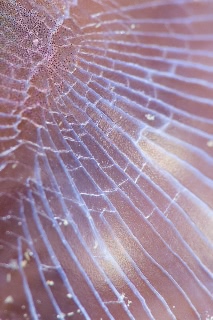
[8, 277]
[69, 295]
[210, 143]
[62, 221]
[70, 314]
[150, 117]
[14, 165]
[129, 303]
[61, 316]
[173, 307]
[25, 315]
[23, 263]
[132, 26]
[28, 254]
[78, 311]
[95, 245]
[23, 307]
[9, 300]
[35, 42]
[50, 283]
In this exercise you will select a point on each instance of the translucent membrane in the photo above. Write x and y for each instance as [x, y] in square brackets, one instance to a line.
[106, 159]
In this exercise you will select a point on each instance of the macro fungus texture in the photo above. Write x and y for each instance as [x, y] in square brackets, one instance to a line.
[106, 159]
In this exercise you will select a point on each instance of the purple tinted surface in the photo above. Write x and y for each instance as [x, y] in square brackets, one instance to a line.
[106, 159]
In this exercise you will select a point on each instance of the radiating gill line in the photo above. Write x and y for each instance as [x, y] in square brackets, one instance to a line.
[96, 44]
[176, 230]
[136, 268]
[76, 93]
[208, 136]
[11, 119]
[77, 80]
[144, 95]
[186, 96]
[59, 269]
[186, 80]
[186, 215]
[190, 38]
[160, 237]
[184, 263]
[176, 113]
[83, 272]
[186, 21]
[199, 260]
[142, 276]
[201, 285]
[208, 158]
[36, 257]
[11, 248]
[111, 158]
[13, 102]
[189, 127]
[149, 4]
[134, 289]
[190, 136]
[188, 248]
[14, 92]
[180, 209]
[206, 182]
[21, 61]
[26, 287]
[171, 144]
[168, 247]
[129, 232]
[103, 273]
[156, 85]
[98, 111]
[99, 52]
[82, 241]
[9, 151]
[18, 85]
[9, 136]
[42, 8]
[53, 257]
[159, 296]
[115, 6]
[9, 54]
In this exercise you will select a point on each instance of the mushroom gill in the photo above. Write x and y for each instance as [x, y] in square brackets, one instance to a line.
[106, 159]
